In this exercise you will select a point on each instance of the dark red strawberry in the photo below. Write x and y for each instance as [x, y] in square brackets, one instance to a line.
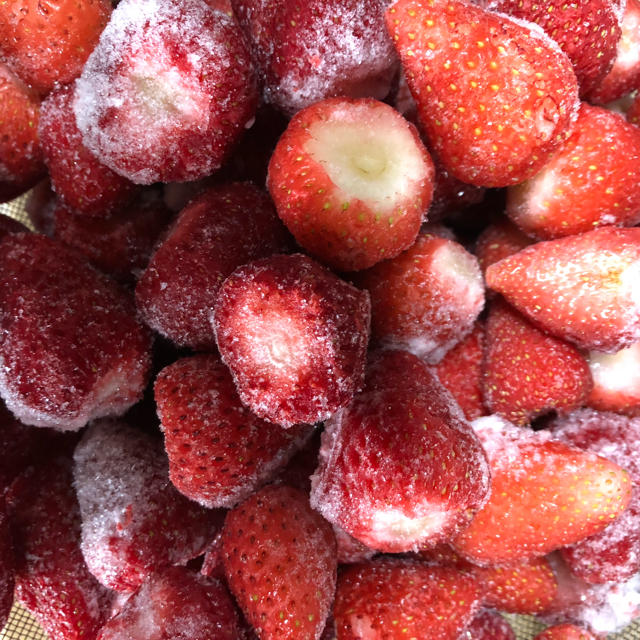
[280, 562]
[488, 625]
[565, 632]
[499, 240]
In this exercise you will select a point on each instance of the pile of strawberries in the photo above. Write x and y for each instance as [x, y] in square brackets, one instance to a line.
[330, 327]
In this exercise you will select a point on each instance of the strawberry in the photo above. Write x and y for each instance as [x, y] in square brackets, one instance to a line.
[351, 550]
[581, 288]
[21, 164]
[393, 599]
[527, 372]
[280, 562]
[294, 336]
[48, 42]
[427, 299]
[219, 452]
[400, 469]
[496, 114]
[499, 240]
[544, 495]
[167, 91]
[591, 181]
[488, 625]
[359, 201]
[564, 632]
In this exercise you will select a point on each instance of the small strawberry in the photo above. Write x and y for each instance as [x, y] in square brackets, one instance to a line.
[565, 632]
[544, 495]
[280, 562]
[495, 96]
[499, 240]
[488, 625]
[351, 180]
[581, 288]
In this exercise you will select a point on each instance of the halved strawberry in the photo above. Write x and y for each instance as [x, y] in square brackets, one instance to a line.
[495, 96]
[351, 180]
[581, 288]
[488, 625]
[544, 495]
[591, 181]
[565, 632]
[499, 240]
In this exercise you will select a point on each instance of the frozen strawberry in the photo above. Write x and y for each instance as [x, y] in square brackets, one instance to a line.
[488, 625]
[166, 92]
[499, 240]
[460, 372]
[564, 632]
[390, 599]
[80, 180]
[219, 452]
[48, 42]
[52, 579]
[308, 52]
[218, 231]
[496, 97]
[625, 73]
[544, 495]
[528, 372]
[280, 562]
[294, 336]
[351, 180]
[581, 288]
[175, 603]
[591, 181]
[21, 164]
[586, 30]
[351, 550]
[400, 468]
[133, 520]
[427, 299]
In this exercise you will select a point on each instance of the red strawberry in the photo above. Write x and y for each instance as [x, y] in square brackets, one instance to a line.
[400, 468]
[495, 96]
[527, 372]
[544, 495]
[581, 288]
[564, 632]
[219, 452]
[488, 625]
[280, 562]
[425, 300]
[133, 520]
[175, 603]
[167, 91]
[79, 179]
[294, 336]
[499, 240]
[357, 201]
[591, 181]
[48, 42]
[21, 164]
[390, 599]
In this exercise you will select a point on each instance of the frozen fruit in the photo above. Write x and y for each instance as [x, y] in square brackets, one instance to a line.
[564, 632]
[582, 288]
[351, 180]
[400, 468]
[221, 229]
[294, 336]
[488, 625]
[166, 92]
[497, 241]
[133, 520]
[351, 550]
[219, 452]
[495, 96]
[280, 562]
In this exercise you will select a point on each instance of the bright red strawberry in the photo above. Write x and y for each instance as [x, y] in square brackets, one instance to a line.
[219, 452]
[586, 30]
[80, 180]
[294, 336]
[134, 521]
[351, 180]
[565, 632]
[221, 229]
[167, 91]
[528, 372]
[499, 240]
[21, 164]
[581, 288]
[460, 372]
[390, 599]
[591, 181]
[400, 468]
[427, 299]
[495, 96]
[544, 495]
[488, 625]
[175, 603]
[48, 42]
[280, 562]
